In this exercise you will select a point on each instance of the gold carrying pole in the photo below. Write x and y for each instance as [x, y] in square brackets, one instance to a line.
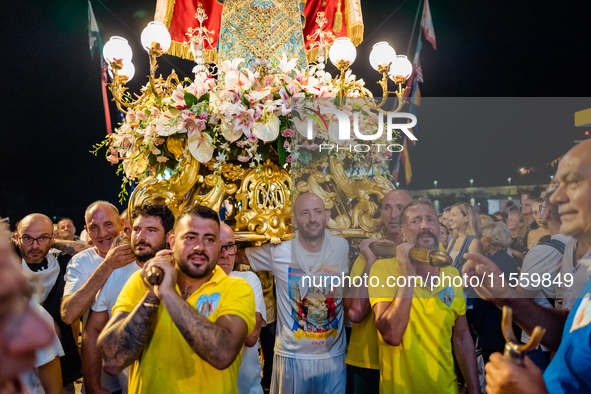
[435, 258]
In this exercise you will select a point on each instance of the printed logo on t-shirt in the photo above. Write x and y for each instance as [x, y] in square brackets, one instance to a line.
[207, 304]
[314, 303]
[583, 315]
[447, 295]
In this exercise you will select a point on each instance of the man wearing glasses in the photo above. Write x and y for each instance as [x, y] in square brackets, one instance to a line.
[34, 240]
[249, 375]
[23, 331]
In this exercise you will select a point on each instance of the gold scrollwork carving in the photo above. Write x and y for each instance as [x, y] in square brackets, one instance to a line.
[265, 199]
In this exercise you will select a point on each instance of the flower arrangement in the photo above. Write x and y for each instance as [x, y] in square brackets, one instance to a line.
[239, 117]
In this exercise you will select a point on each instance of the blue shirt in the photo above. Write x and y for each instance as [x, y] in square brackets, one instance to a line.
[570, 370]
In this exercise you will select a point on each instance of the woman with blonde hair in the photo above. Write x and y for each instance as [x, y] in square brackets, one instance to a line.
[466, 222]
[517, 223]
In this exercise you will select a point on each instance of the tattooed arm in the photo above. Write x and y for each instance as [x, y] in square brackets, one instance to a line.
[70, 247]
[217, 343]
[124, 337]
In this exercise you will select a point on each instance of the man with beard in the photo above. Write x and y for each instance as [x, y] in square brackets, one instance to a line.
[152, 224]
[363, 374]
[310, 345]
[419, 320]
[34, 240]
[184, 335]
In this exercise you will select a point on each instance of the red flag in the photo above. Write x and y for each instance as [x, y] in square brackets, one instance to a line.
[427, 24]
[105, 97]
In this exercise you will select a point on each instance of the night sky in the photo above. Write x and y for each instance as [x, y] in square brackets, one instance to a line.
[475, 120]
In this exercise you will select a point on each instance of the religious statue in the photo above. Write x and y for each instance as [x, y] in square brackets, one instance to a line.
[262, 29]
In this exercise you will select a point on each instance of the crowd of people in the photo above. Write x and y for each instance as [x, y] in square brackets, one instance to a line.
[225, 319]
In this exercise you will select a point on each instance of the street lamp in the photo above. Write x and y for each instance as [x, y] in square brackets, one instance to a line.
[471, 182]
[509, 180]
[435, 184]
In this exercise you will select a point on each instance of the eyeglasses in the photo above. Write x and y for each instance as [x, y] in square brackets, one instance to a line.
[543, 207]
[42, 241]
[231, 249]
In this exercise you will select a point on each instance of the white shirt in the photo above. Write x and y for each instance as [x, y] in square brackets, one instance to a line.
[249, 374]
[307, 327]
[30, 379]
[79, 270]
[566, 296]
[107, 297]
[542, 259]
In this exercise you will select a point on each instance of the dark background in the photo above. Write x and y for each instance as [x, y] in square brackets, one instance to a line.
[53, 112]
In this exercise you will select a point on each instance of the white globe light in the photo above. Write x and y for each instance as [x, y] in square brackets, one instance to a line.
[117, 48]
[381, 54]
[156, 32]
[342, 50]
[128, 70]
[401, 68]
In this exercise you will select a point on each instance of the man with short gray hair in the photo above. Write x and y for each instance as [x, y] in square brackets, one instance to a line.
[88, 270]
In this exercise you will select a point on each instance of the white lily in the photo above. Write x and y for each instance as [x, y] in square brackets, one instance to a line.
[168, 123]
[287, 65]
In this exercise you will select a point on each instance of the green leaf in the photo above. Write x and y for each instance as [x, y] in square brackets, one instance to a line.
[281, 151]
[190, 99]
[235, 150]
[245, 102]
[263, 150]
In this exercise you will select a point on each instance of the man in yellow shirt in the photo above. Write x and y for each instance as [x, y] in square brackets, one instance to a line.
[363, 374]
[419, 319]
[186, 334]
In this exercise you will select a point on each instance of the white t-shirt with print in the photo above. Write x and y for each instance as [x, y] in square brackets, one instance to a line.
[249, 374]
[307, 327]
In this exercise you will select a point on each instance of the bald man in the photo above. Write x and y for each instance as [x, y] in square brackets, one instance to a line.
[363, 374]
[34, 239]
[88, 270]
[310, 345]
[568, 333]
